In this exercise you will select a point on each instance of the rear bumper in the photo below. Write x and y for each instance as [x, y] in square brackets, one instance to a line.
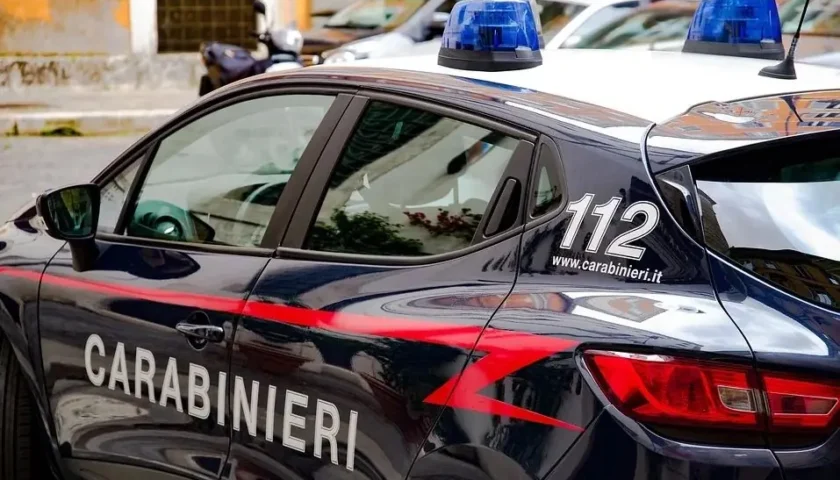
[818, 463]
[609, 450]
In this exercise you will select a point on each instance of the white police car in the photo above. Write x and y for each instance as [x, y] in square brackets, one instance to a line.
[563, 23]
[491, 264]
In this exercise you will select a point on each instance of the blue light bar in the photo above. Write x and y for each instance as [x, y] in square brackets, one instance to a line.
[491, 35]
[741, 28]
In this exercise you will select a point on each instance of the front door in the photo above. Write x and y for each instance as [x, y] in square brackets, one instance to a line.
[403, 245]
[136, 349]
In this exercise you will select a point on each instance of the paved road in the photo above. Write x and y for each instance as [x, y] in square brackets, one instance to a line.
[31, 165]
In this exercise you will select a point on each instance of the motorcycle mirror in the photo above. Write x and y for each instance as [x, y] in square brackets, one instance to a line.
[259, 7]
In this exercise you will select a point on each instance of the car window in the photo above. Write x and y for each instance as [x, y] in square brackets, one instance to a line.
[547, 194]
[644, 27]
[822, 17]
[218, 179]
[776, 212]
[555, 15]
[113, 195]
[601, 17]
[372, 14]
[409, 183]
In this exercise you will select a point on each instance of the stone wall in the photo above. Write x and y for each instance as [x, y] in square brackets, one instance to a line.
[113, 72]
[81, 27]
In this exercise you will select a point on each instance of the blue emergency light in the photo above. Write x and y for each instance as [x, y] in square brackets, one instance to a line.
[742, 28]
[491, 35]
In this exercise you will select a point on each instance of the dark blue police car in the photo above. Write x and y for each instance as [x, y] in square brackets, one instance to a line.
[494, 265]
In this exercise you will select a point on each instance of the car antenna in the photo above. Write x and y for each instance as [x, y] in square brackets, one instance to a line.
[786, 69]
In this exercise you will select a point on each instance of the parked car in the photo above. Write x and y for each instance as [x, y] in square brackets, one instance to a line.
[664, 26]
[596, 14]
[659, 26]
[384, 271]
[370, 28]
[560, 21]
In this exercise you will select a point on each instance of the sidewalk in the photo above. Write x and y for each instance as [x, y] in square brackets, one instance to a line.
[68, 111]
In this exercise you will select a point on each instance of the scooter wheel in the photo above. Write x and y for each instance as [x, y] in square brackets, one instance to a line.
[205, 86]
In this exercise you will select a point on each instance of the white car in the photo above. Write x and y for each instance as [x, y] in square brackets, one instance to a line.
[594, 16]
[563, 23]
[664, 24]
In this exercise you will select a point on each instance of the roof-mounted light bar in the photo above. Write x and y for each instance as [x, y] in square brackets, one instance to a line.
[491, 35]
[742, 28]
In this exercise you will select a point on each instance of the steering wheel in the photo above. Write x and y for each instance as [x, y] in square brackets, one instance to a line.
[163, 220]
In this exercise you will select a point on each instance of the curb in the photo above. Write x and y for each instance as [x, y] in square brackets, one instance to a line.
[106, 122]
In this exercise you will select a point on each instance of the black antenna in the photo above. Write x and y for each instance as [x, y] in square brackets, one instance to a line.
[785, 69]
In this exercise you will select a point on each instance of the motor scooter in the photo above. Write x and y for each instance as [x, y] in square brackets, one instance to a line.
[227, 63]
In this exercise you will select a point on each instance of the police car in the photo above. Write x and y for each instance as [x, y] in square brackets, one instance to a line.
[490, 264]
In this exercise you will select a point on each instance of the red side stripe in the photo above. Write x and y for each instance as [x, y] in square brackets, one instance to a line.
[462, 336]
[505, 351]
[208, 302]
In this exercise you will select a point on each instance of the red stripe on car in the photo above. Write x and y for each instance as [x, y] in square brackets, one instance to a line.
[506, 352]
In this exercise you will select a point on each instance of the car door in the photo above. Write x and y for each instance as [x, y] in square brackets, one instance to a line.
[136, 342]
[403, 245]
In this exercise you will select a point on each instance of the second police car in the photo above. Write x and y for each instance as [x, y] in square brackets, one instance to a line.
[488, 265]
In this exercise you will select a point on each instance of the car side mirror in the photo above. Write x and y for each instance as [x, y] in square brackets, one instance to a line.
[70, 213]
[259, 7]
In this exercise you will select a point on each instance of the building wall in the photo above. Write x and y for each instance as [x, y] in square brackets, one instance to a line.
[81, 27]
[109, 27]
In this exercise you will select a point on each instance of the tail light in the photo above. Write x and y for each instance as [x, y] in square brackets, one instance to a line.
[670, 391]
[799, 404]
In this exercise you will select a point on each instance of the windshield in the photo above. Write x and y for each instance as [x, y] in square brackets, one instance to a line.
[777, 214]
[597, 20]
[822, 17]
[374, 14]
[641, 28]
[555, 15]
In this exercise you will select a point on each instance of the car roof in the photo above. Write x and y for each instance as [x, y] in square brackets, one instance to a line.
[651, 85]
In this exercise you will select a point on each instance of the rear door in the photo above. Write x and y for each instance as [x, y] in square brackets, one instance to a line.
[136, 348]
[401, 249]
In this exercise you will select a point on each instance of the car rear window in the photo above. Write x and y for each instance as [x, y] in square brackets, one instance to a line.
[776, 213]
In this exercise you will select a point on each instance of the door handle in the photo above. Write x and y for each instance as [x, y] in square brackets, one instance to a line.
[211, 333]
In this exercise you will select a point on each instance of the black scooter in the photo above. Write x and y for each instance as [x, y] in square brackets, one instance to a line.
[227, 63]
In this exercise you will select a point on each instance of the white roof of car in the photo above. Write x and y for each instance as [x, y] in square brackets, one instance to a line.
[651, 85]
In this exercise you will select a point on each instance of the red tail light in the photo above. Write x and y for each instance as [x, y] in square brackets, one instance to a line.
[665, 390]
[800, 404]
